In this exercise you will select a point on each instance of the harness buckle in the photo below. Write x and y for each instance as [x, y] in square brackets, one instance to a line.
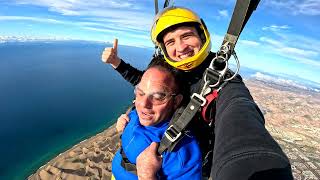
[172, 134]
[199, 98]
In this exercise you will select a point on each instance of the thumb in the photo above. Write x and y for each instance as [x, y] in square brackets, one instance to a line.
[115, 46]
[154, 147]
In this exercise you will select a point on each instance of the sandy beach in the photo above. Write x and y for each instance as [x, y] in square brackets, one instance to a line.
[90, 159]
[292, 118]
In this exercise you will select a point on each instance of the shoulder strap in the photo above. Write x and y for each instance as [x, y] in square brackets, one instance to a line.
[178, 124]
[198, 100]
[126, 164]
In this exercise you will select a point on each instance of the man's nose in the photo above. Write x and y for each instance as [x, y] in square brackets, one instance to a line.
[146, 102]
[181, 45]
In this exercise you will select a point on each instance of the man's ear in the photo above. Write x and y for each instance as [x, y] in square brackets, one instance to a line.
[177, 100]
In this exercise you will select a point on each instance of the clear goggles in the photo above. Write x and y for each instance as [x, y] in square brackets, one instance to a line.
[155, 97]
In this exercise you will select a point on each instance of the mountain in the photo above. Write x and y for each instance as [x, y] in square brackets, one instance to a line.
[286, 81]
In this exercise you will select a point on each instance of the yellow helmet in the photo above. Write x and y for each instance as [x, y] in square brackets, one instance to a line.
[173, 16]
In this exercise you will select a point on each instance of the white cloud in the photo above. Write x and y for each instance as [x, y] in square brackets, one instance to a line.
[112, 31]
[125, 24]
[275, 28]
[111, 27]
[223, 13]
[62, 5]
[145, 37]
[296, 7]
[271, 41]
[35, 19]
[249, 43]
[105, 16]
[301, 41]
[83, 8]
[296, 43]
[98, 29]
[4, 39]
[283, 48]
[298, 52]
[112, 12]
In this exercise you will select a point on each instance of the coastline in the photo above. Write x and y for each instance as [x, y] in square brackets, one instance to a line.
[91, 158]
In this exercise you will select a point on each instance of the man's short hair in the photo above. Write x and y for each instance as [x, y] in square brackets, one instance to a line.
[187, 24]
[159, 63]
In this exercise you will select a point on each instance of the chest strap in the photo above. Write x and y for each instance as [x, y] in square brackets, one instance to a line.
[126, 164]
[179, 123]
[174, 133]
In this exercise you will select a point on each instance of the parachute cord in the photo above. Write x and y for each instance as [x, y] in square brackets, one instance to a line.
[156, 8]
[238, 66]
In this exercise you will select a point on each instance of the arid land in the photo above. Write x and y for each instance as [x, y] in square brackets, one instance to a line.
[292, 117]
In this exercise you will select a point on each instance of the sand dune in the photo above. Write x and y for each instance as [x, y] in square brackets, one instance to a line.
[90, 159]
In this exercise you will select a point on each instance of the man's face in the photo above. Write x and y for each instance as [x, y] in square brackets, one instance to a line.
[154, 102]
[182, 43]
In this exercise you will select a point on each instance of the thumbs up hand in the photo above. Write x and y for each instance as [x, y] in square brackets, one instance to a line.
[149, 162]
[110, 55]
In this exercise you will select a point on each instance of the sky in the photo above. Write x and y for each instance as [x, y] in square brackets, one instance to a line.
[281, 37]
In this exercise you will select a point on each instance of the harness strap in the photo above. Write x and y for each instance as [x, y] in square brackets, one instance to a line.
[173, 134]
[206, 112]
[126, 164]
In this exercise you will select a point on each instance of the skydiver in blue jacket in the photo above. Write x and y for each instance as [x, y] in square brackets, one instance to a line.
[157, 96]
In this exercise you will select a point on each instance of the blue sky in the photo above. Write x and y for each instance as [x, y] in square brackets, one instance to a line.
[281, 37]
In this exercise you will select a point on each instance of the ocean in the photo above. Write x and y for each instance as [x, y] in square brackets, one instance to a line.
[54, 95]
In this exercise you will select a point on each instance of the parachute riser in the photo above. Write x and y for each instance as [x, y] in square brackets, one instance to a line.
[214, 75]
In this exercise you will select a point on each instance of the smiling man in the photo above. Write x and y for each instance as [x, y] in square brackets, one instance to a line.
[182, 43]
[157, 96]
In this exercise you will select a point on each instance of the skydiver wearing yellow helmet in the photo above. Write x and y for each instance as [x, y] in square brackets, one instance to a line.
[195, 39]
[241, 146]
[192, 34]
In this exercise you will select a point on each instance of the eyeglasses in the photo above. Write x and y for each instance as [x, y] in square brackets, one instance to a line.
[156, 98]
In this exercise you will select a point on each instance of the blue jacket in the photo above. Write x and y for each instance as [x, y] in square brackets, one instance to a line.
[184, 162]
